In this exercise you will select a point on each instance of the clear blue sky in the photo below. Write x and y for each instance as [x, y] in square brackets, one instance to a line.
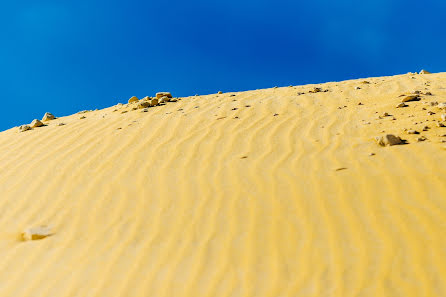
[66, 56]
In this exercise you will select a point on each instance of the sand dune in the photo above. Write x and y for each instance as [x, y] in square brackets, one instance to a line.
[260, 193]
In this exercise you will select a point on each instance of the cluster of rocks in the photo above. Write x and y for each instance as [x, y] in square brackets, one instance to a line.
[390, 139]
[37, 123]
[160, 98]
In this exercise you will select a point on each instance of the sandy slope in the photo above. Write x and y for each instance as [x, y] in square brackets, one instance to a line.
[187, 200]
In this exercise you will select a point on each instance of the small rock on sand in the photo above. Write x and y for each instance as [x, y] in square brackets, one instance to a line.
[36, 233]
[411, 98]
[36, 123]
[220, 92]
[388, 140]
[24, 128]
[443, 117]
[48, 117]
[315, 90]
[441, 105]
[424, 72]
[402, 104]
[162, 94]
[412, 132]
[133, 99]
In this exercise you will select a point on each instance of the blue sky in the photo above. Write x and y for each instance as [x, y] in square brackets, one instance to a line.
[66, 56]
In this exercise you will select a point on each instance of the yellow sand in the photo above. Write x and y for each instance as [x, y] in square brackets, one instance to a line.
[187, 200]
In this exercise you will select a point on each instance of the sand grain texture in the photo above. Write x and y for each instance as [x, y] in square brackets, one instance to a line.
[266, 193]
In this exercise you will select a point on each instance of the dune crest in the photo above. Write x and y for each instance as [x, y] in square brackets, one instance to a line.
[273, 192]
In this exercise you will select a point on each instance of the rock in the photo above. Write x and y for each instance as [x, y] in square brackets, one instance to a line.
[36, 233]
[388, 140]
[24, 128]
[357, 88]
[416, 92]
[173, 100]
[428, 94]
[430, 112]
[441, 105]
[422, 138]
[411, 98]
[48, 117]
[154, 102]
[433, 103]
[162, 94]
[402, 104]
[164, 99]
[36, 123]
[443, 117]
[147, 98]
[385, 114]
[315, 90]
[220, 92]
[82, 117]
[61, 124]
[424, 72]
[143, 104]
[439, 124]
[133, 99]
[412, 132]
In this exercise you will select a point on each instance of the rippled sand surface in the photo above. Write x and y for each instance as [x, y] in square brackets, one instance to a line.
[260, 193]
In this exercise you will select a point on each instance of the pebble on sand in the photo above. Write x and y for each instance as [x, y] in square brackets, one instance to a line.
[402, 104]
[162, 94]
[388, 140]
[48, 117]
[36, 233]
[133, 99]
[412, 132]
[24, 128]
[411, 98]
[315, 90]
[36, 123]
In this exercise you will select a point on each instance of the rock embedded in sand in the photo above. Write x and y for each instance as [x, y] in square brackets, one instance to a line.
[443, 117]
[164, 99]
[220, 92]
[411, 98]
[48, 117]
[402, 104]
[154, 102]
[143, 104]
[133, 99]
[412, 132]
[24, 128]
[162, 94]
[424, 72]
[36, 233]
[315, 90]
[36, 123]
[388, 140]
